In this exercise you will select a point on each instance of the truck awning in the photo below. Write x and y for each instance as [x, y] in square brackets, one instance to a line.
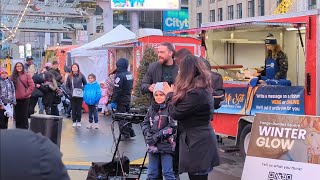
[237, 26]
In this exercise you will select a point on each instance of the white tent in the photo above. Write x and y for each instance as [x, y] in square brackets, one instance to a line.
[96, 61]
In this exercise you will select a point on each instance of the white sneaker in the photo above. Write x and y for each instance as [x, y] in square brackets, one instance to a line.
[74, 124]
[89, 126]
[96, 126]
[78, 124]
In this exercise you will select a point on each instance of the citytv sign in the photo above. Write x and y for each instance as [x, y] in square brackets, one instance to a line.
[175, 20]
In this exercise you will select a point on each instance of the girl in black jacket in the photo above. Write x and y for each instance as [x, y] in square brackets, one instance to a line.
[50, 85]
[191, 104]
[159, 130]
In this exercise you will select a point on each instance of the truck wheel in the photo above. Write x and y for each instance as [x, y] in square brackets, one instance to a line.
[244, 139]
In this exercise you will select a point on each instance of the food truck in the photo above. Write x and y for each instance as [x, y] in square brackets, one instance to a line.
[237, 50]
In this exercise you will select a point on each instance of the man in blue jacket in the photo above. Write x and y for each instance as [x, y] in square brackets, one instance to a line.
[121, 96]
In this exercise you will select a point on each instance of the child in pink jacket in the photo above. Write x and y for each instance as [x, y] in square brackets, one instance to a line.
[104, 98]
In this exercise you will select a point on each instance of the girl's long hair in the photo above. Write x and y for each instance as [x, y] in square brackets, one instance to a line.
[15, 73]
[276, 48]
[193, 73]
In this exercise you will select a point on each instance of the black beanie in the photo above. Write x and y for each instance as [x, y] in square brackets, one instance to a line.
[270, 39]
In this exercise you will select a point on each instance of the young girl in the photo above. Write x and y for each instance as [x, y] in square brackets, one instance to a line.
[104, 99]
[159, 130]
[7, 97]
[91, 96]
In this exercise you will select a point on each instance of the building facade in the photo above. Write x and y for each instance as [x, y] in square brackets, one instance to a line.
[204, 11]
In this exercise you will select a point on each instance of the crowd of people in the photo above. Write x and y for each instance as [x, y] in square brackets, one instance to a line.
[177, 128]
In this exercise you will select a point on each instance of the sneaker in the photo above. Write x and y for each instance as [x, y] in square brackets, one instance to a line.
[74, 124]
[79, 124]
[89, 126]
[96, 126]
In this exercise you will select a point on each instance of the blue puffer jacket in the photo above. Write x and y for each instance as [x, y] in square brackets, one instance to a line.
[92, 93]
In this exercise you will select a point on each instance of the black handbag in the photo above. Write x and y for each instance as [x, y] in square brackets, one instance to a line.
[37, 93]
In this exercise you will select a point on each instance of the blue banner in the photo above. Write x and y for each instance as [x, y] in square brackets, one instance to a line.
[175, 20]
[264, 99]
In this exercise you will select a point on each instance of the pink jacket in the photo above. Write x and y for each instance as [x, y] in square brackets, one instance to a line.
[24, 86]
[105, 96]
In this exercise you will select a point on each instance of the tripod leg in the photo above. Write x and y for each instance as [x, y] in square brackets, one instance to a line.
[144, 160]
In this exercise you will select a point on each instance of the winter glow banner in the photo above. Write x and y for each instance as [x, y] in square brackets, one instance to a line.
[283, 147]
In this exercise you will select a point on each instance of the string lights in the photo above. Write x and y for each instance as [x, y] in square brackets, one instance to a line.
[16, 29]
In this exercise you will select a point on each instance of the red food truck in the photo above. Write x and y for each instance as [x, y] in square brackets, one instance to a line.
[236, 49]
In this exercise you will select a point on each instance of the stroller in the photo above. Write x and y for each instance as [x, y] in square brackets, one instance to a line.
[66, 100]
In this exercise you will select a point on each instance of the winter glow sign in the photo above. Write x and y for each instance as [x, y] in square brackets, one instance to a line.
[283, 147]
[145, 4]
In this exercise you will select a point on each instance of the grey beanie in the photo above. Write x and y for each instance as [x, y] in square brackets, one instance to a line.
[158, 87]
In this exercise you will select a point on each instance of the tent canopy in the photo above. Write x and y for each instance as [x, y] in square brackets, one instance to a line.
[119, 33]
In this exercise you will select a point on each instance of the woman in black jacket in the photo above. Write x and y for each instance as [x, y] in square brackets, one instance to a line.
[76, 80]
[192, 105]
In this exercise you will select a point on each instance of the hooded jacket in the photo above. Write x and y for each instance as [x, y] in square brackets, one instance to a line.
[7, 92]
[26, 155]
[161, 127]
[123, 83]
[92, 93]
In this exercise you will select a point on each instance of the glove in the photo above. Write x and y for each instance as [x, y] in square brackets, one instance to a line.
[113, 106]
[8, 111]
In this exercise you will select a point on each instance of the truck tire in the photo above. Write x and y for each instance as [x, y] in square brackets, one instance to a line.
[244, 139]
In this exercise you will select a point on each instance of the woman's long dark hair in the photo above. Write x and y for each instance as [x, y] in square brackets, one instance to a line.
[75, 64]
[15, 73]
[193, 73]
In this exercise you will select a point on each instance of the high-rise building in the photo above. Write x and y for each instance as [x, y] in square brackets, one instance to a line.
[204, 11]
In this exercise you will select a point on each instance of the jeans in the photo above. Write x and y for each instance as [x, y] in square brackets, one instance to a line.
[21, 113]
[41, 107]
[167, 166]
[93, 113]
[76, 104]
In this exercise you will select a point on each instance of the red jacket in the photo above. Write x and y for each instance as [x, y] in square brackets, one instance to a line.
[24, 86]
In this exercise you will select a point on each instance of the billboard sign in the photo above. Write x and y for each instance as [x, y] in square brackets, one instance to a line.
[145, 4]
[175, 20]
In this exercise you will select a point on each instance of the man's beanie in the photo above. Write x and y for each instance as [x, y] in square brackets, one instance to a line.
[270, 39]
[158, 87]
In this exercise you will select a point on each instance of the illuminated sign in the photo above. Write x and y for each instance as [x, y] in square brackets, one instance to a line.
[175, 20]
[145, 4]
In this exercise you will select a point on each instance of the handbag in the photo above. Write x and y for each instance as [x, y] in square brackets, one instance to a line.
[76, 92]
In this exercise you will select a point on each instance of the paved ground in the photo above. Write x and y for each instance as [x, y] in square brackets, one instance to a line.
[81, 146]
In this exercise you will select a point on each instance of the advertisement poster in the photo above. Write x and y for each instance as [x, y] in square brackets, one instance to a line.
[283, 147]
[263, 99]
[175, 20]
[145, 4]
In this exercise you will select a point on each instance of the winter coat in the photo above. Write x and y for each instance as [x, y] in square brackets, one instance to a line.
[38, 79]
[161, 128]
[24, 86]
[7, 92]
[57, 75]
[282, 61]
[92, 93]
[79, 81]
[154, 75]
[123, 83]
[104, 96]
[50, 91]
[197, 141]
[26, 155]
[110, 84]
